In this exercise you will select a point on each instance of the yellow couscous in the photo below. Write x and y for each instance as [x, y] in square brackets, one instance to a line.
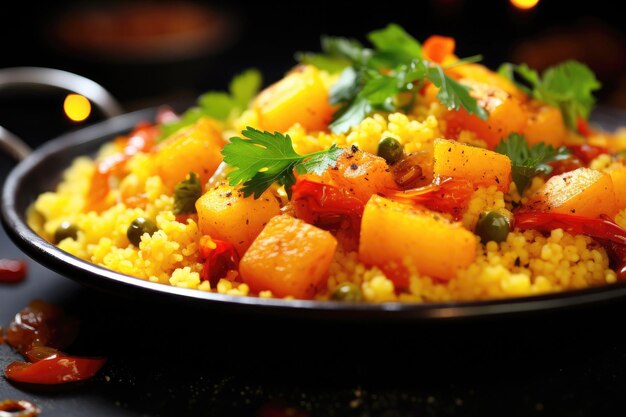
[404, 174]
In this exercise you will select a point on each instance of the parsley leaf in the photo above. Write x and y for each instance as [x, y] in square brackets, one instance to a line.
[569, 86]
[219, 105]
[186, 193]
[337, 54]
[526, 161]
[265, 158]
[377, 76]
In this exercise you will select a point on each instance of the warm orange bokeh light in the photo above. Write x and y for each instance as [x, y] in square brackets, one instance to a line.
[524, 4]
[77, 107]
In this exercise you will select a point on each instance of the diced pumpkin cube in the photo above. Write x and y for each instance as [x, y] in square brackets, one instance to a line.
[196, 148]
[224, 213]
[583, 191]
[300, 97]
[545, 124]
[618, 177]
[480, 166]
[362, 174]
[506, 115]
[392, 232]
[289, 258]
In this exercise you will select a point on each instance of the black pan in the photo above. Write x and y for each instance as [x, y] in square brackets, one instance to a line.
[42, 170]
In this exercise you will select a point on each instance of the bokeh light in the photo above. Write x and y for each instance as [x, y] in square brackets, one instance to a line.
[524, 4]
[77, 107]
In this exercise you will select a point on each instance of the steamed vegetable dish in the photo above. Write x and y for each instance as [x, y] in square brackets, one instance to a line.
[392, 171]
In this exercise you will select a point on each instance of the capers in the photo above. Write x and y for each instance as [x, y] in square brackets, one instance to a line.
[138, 227]
[347, 292]
[65, 230]
[492, 226]
[390, 150]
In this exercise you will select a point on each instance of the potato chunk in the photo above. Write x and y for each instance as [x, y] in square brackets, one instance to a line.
[300, 97]
[480, 166]
[583, 191]
[392, 232]
[224, 213]
[196, 148]
[289, 257]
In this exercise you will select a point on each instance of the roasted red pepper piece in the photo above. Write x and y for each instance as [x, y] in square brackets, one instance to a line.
[446, 195]
[56, 369]
[325, 205]
[583, 127]
[587, 153]
[12, 271]
[141, 139]
[41, 324]
[218, 257]
[595, 227]
[607, 232]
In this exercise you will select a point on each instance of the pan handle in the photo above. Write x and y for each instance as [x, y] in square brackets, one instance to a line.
[48, 77]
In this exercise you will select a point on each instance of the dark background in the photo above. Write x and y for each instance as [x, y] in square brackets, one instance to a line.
[168, 360]
[266, 34]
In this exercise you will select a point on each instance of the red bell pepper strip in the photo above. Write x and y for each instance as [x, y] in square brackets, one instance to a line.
[608, 233]
[447, 195]
[325, 205]
[218, 257]
[587, 153]
[56, 369]
[595, 227]
[583, 127]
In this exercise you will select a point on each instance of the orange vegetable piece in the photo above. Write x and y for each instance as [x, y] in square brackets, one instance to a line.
[545, 124]
[584, 192]
[481, 167]
[506, 115]
[225, 214]
[196, 148]
[289, 257]
[392, 232]
[618, 177]
[300, 97]
[362, 174]
[437, 48]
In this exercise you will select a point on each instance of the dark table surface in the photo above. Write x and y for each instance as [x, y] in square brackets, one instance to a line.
[168, 360]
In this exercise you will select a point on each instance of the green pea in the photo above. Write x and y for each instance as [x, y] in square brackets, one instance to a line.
[138, 227]
[65, 230]
[390, 150]
[347, 292]
[492, 226]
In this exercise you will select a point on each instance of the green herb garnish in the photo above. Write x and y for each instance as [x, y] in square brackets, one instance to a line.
[526, 161]
[376, 77]
[186, 193]
[568, 86]
[218, 104]
[265, 158]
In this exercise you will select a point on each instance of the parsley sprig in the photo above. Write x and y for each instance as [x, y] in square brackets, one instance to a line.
[376, 78]
[265, 158]
[569, 86]
[220, 105]
[527, 161]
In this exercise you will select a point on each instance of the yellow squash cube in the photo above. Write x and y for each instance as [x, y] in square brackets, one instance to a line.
[224, 213]
[289, 258]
